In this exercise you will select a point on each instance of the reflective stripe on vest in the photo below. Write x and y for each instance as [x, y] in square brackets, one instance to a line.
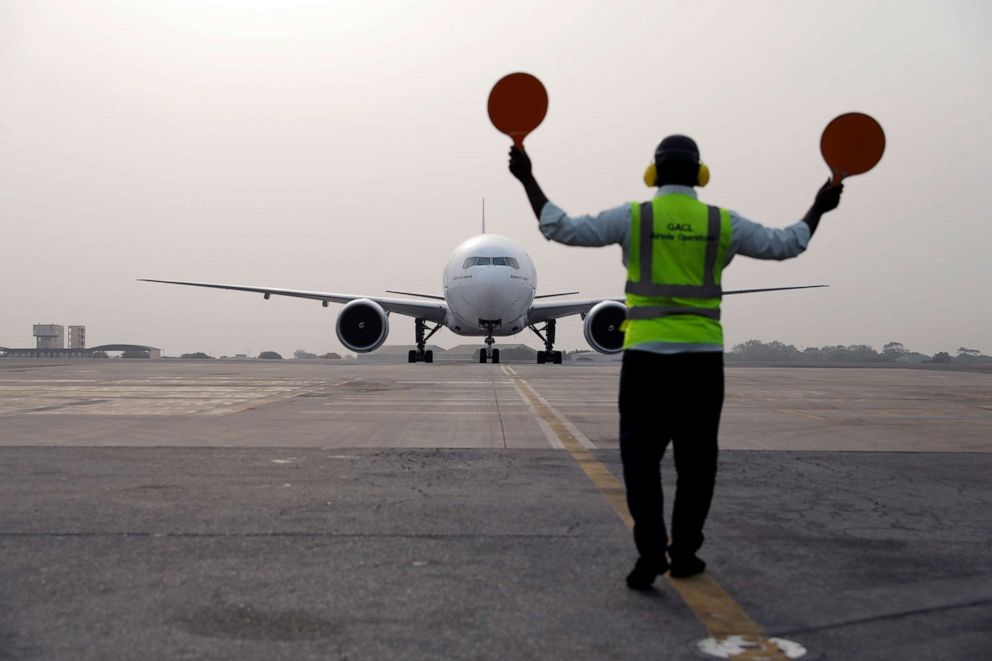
[645, 286]
[653, 312]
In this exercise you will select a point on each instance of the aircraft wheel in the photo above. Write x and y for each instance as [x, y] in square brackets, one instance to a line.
[411, 357]
[541, 358]
[429, 356]
[557, 357]
[495, 356]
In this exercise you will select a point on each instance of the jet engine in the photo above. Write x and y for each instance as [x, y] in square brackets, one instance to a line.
[362, 325]
[602, 326]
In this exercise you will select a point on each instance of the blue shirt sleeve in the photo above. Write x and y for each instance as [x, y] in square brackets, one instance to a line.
[752, 239]
[605, 228]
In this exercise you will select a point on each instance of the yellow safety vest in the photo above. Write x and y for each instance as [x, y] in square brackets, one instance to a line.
[678, 247]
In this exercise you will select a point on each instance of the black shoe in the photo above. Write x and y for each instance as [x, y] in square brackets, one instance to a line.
[686, 566]
[644, 573]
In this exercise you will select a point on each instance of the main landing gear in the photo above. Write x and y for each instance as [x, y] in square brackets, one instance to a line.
[489, 353]
[419, 355]
[549, 355]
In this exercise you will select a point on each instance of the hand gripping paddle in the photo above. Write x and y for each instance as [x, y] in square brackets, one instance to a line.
[518, 103]
[852, 143]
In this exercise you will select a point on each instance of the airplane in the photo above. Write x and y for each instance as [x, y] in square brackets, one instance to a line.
[490, 291]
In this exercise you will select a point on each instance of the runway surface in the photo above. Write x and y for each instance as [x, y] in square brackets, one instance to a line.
[192, 509]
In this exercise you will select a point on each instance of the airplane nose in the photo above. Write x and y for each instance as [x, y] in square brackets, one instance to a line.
[494, 293]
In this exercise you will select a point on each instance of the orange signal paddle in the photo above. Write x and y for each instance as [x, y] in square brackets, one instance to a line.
[518, 103]
[852, 143]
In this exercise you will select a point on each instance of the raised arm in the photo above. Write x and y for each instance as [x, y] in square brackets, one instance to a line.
[752, 239]
[520, 167]
[827, 199]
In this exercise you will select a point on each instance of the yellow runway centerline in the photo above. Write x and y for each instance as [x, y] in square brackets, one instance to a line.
[714, 607]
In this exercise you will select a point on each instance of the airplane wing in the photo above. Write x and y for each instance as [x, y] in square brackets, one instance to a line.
[564, 293]
[430, 311]
[755, 291]
[541, 312]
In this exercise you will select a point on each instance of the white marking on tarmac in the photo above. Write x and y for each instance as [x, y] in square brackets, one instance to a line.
[548, 433]
[572, 429]
[740, 647]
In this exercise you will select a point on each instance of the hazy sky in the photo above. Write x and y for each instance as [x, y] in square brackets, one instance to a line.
[344, 146]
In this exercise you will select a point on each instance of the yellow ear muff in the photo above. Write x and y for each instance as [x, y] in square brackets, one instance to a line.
[703, 177]
[651, 175]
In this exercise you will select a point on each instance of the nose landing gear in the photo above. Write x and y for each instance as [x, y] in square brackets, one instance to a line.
[489, 354]
[549, 355]
[420, 355]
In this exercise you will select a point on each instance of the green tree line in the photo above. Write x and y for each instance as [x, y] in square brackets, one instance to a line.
[891, 352]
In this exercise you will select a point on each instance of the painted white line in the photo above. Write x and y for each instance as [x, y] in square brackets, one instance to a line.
[572, 429]
[548, 433]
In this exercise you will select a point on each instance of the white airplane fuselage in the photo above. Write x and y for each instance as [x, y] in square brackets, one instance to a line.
[489, 285]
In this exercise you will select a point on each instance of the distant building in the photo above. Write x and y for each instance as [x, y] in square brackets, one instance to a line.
[50, 341]
[49, 336]
[126, 350]
[77, 337]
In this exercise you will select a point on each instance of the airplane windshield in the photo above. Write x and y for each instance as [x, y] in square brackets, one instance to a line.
[494, 261]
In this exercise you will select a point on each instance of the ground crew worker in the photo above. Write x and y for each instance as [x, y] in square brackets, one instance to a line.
[671, 382]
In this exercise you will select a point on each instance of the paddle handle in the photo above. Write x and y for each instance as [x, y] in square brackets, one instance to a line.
[838, 177]
[518, 140]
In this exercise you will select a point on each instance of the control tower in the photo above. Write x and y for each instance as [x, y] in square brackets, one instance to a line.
[49, 336]
[77, 337]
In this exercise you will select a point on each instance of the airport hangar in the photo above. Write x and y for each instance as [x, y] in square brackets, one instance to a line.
[91, 352]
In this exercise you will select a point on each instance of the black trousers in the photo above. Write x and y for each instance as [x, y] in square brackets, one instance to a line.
[673, 398]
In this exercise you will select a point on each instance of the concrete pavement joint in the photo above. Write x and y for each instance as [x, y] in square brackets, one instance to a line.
[499, 413]
[887, 616]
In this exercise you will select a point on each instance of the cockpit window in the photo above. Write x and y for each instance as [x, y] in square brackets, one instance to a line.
[494, 261]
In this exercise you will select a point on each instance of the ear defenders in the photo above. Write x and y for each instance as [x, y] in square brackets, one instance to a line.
[680, 148]
[651, 175]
